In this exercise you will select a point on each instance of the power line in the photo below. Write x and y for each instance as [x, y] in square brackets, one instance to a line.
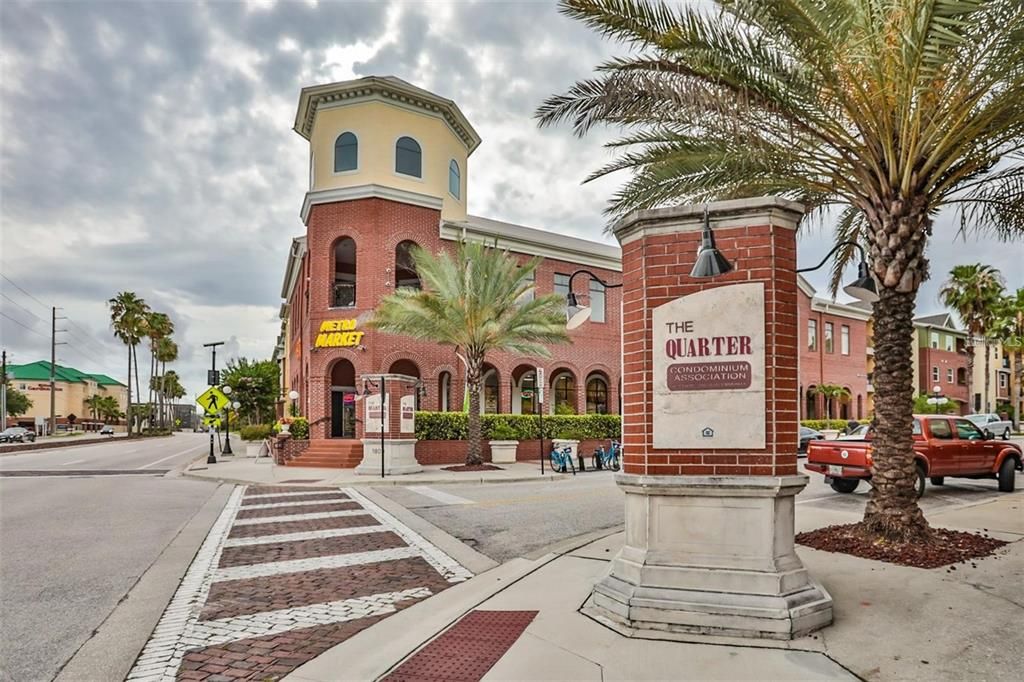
[14, 284]
[21, 307]
[96, 345]
[2, 313]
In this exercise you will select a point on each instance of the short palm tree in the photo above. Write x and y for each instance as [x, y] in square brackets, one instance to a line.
[885, 110]
[833, 393]
[127, 317]
[1010, 331]
[94, 402]
[473, 300]
[973, 291]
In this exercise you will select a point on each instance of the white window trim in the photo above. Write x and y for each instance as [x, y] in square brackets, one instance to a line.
[423, 159]
[456, 162]
[355, 170]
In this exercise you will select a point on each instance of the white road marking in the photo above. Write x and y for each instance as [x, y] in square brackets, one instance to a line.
[176, 454]
[213, 632]
[302, 565]
[264, 495]
[305, 535]
[303, 503]
[440, 496]
[299, 517]
[74, 461]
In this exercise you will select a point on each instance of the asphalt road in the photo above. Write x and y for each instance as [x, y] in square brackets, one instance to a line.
[504, 521]
[74, 544]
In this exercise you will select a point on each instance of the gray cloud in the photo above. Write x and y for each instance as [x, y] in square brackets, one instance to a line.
[148, 146]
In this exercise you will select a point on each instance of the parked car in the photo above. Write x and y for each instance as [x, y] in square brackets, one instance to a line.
[17, 434]
[943, 446]
[806, 436]
[992, 422]
[107, 430]
[858, 433]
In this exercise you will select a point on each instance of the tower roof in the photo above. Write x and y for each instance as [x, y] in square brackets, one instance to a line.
[386, 89]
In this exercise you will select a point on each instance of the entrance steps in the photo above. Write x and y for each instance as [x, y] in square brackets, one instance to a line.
[330, 453]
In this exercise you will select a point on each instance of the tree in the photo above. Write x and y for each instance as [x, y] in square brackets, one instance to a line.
[108, 409]
[165, 351]
[1010, 331]
[127, 318]
[883, 111]
[922, 406]
[832, 393]
[471, 300]
[94, 402]
[973, 291]
[17, 402]
[254, 384]
[158, 326]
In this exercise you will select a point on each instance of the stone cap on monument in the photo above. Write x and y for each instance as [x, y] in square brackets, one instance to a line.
[690, 217]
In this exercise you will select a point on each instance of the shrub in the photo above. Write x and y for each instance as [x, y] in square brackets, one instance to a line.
[502, 431]
[256, 432]
[453, 426]
[300, 428]
[835, 424]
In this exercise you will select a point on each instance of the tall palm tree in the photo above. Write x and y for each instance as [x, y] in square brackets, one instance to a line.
[158, 327]
[884, 111]
[973, 291]
[471, 300]
[127, 316]
[166, 350]
[1010, 331]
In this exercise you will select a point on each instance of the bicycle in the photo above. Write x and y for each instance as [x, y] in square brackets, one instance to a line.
[608, 459]
[561, 460]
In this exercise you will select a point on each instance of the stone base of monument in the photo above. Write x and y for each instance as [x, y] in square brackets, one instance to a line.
[710, 555]
[399, 457]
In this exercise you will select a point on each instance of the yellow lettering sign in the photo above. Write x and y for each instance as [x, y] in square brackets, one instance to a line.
[338, 325]
[338, 339]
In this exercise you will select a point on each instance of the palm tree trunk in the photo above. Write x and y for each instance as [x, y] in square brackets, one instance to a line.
[1018, 373]
[474, 453]
[969, 347]
[128, 412]
[138, 391]
[988, 372]
[892, 509]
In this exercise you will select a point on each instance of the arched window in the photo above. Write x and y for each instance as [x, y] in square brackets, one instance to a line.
[346, 153]
[563, 388]
[408, 157]
[444, 392]
[454, 179]
[597, 396]
[344, 294]
[405, 267]
[812, 403]
[489, 403]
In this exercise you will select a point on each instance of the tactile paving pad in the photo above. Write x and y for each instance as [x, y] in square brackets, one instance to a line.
[467, 650]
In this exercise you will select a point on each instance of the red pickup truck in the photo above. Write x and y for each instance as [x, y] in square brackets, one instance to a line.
[943, 446]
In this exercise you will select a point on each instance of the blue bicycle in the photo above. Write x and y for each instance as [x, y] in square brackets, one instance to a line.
[608, 459]
[561, 460]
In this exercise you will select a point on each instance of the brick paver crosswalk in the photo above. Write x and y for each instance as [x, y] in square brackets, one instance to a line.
[285, 574]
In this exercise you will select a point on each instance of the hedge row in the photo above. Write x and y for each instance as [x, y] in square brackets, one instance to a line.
[454, 425]
[835, 424]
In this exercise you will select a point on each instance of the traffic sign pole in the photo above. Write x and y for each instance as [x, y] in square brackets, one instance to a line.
[211, 458]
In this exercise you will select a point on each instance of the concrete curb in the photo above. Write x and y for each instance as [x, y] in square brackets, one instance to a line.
[112, 649]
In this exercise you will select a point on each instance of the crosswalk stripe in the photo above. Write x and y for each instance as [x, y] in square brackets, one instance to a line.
[305, 535]
[296, 494]
[314, 564]
[303, 503]
[299, 517]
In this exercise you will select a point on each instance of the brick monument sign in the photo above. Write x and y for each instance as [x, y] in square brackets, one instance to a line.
[710, 429]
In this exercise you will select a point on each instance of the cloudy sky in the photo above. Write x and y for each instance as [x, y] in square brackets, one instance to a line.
[148, 147]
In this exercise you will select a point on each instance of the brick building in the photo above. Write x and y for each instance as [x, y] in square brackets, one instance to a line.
[834, 350]
[389, 170]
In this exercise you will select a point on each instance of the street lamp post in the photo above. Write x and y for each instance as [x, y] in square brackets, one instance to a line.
[212, 379]
[293, 395]
[937, 398]
[227, 424]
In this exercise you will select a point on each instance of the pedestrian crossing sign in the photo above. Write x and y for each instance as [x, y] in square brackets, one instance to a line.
[212, 400]
[211, 420]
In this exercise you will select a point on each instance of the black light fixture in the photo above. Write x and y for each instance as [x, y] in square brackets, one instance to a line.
[863, 288]
[710, 261]
[576, 314]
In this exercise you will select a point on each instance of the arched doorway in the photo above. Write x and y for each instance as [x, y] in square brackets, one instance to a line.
[343, 400]
[490, 384]
[524, 390]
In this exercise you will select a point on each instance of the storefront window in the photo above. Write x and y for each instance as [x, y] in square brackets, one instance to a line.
[405, 268]
[344, 294]
[597, 396]
[564, 390]
[490, 394]
[444, 392]
[528, 393]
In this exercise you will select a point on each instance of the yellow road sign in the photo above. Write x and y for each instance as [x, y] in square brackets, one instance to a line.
[211, 420]
[212, 400]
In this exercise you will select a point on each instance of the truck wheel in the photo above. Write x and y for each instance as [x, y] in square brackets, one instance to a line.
[844, 485]
[920, 480]
[938, 480]
[1007, 474]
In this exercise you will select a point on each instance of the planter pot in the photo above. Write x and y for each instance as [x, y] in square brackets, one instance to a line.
[253, 448]
[285, 428]
[574, 445]
[503, 451]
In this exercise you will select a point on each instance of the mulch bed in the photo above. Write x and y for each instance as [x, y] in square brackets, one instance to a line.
[948, 547]
[473, 467]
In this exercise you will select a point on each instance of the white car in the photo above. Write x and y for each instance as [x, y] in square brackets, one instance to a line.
[1000, 428]
[857, 434]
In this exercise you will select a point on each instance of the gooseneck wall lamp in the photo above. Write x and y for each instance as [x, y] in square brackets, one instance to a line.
[863, 288]
[576, 314]
[710, 261]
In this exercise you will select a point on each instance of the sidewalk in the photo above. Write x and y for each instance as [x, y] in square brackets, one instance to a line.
[521, 621]
[248, 470]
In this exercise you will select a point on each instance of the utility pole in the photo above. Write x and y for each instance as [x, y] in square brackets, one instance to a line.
[3, 393]
[53, 368]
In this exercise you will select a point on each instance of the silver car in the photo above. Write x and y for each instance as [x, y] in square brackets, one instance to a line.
[999, 427]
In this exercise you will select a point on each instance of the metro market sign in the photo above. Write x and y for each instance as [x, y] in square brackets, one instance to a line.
[338, 334]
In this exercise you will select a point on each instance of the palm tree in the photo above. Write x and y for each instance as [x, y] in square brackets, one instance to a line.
[1010, 331]
[93, 402]
[158, 327]
[127, 315]
[470, 300]
[166, 350]
[832, 393]
[886, 112]
[973, 291]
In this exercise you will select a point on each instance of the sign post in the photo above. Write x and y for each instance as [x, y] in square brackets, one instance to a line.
[540, 414]
[214, 378]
